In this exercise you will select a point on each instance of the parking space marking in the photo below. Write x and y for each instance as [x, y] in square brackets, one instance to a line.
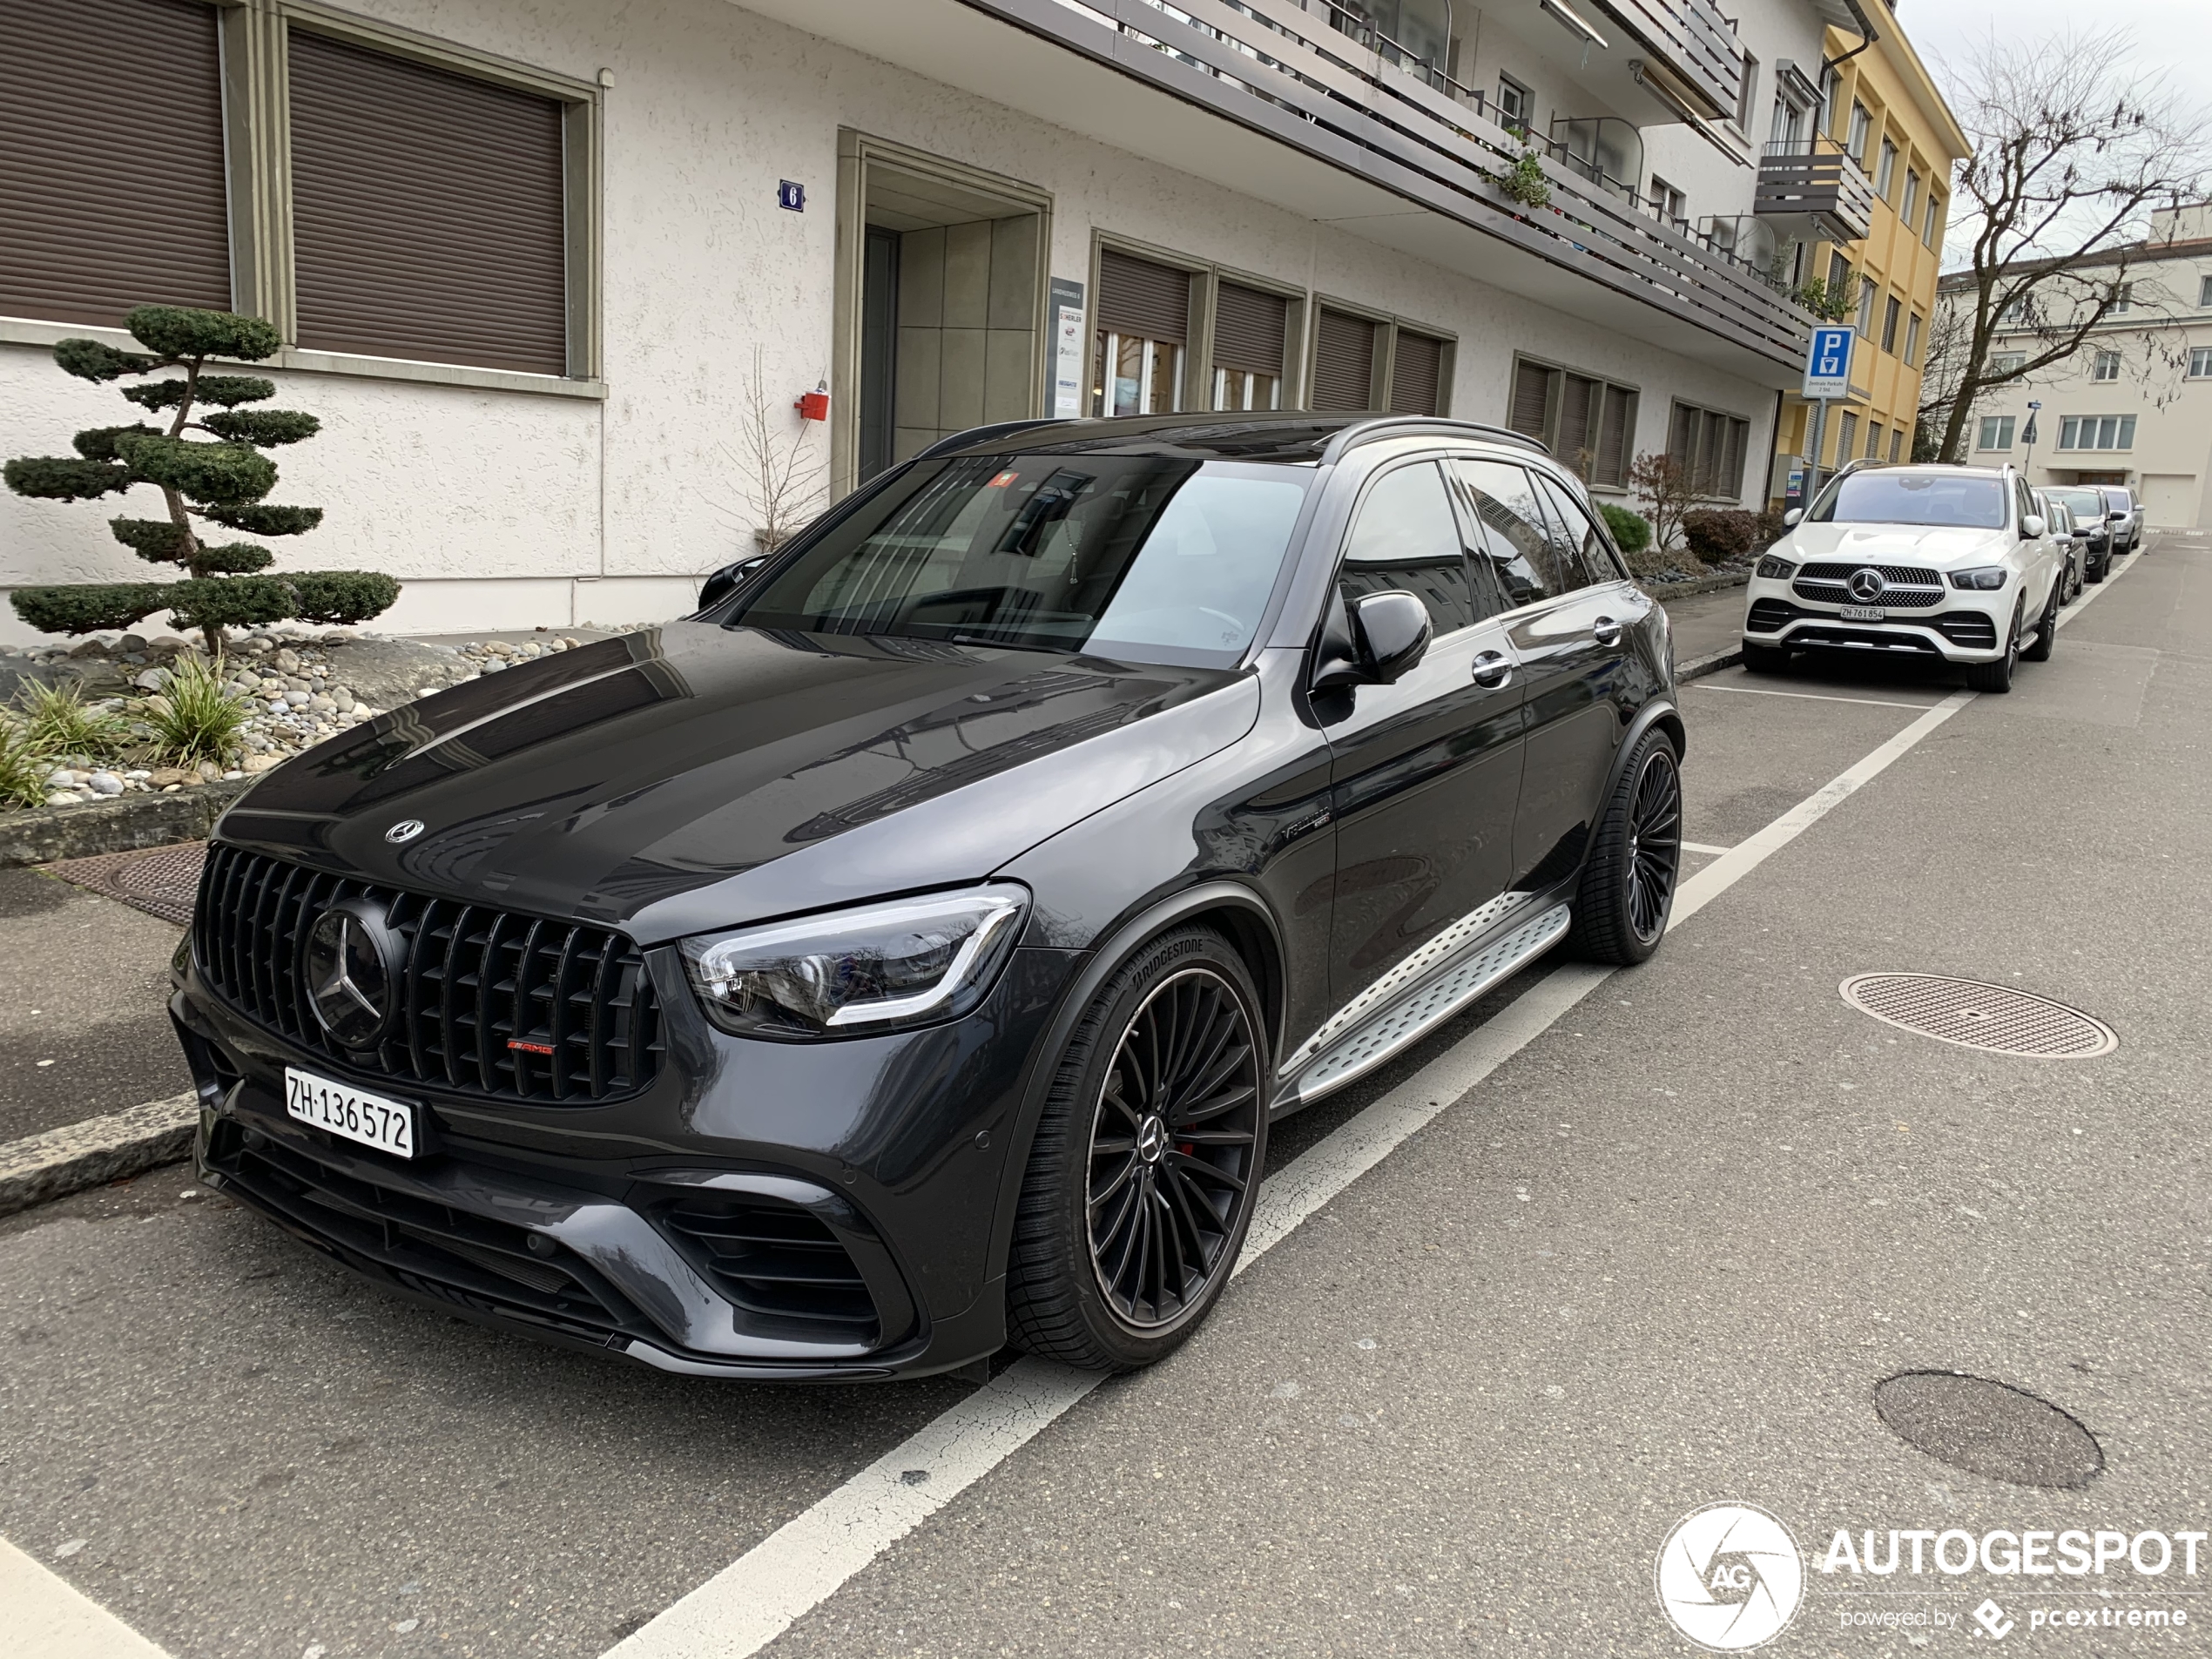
[1811, 697]
[1700, 846]
[48, 1618]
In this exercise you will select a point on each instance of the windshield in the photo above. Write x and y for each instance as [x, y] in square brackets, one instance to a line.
[2085, 503]
[1963, 500]
[1139, 556]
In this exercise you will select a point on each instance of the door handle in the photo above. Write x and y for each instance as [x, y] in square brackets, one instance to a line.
[1606, 632]
[1493, 669]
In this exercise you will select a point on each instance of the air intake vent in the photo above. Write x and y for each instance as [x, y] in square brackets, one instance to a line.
[775, 1260]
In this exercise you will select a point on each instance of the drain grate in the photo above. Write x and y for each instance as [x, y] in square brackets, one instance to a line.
[162, 882]
[1993, 1017]
[1989, 1428]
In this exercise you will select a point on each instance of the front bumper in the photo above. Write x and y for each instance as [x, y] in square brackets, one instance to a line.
[1964, 627]
[768, 1211]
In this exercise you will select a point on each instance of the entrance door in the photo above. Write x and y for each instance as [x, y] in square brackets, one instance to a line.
[1427, 772]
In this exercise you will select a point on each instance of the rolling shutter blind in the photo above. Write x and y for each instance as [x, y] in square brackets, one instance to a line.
[1344, 369]
[1532, 390]
[1138, 297]
[1613, 437]
[428, 211]
[1578, 406]
[111, 184]
[1249, 327]
[1416, 374]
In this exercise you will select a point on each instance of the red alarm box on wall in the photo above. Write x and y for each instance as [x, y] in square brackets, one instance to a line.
[814, 405]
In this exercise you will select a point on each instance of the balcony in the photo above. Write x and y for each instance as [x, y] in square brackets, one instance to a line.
[1695, 45]
[1818, 186]
[1268, 99]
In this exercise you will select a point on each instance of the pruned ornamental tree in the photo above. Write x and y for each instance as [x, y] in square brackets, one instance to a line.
[221, 480]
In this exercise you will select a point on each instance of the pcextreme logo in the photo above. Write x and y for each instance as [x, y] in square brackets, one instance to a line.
[1730, 1577]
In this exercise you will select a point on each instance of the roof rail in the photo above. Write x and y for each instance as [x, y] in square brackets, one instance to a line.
[983, 434]
[1406, 426]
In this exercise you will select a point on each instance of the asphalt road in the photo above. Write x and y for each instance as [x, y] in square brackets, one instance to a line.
[1659, 1258]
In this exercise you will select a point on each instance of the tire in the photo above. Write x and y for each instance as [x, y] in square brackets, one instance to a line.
[1765, 659]
[1997, 677]
[2046, 630]
[1629, 881]
[2099, 568]
[1095, 1291]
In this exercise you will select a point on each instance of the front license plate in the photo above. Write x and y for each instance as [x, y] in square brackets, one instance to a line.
[388, 1125]
[1861, 613]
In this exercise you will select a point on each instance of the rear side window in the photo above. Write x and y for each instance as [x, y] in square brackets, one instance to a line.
[1404, 536]
[1585, 547]
[1517, 538]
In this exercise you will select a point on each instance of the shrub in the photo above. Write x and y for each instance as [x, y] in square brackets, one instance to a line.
[1525, 182]
[54, 720]
[221, 477]
[23, 768]
[1631, 531]
[1717, 535]
[194, 717]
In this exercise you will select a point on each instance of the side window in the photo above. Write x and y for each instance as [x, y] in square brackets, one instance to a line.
[1517, 540]
[1586, 543]
[1405, 537]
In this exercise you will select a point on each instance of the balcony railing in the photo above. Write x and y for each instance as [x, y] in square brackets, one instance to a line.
[1815, 180]
[1696, 41]
[1282, 71]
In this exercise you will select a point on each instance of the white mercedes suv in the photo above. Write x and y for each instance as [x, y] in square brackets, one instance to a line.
[1951, 564]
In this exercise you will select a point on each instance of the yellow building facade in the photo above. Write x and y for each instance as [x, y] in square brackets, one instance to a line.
[1881, 109]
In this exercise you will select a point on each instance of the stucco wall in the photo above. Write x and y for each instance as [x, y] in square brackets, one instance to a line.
[494, 504]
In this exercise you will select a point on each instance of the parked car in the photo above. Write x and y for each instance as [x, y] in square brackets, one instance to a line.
[2087, 505]
[2071, 538]
[2125, 513]
[1947, 564]
[910, 950]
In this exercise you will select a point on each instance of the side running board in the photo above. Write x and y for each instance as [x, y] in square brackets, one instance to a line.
[1423, 1008]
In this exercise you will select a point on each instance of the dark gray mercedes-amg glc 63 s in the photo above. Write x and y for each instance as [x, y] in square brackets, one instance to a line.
[907, 952]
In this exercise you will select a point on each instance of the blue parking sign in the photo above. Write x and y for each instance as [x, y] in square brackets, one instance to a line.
[1828, 363]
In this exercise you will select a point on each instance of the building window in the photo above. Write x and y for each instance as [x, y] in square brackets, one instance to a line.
[2201, 363]
[1516, 103]
[1344, 362]
[1846, 437]
[1861, 125]
[1897, 445]
[1933, 220]
[2097, 432]
[1143, 323]
[1832, 90]
[1250, 331]
[2204, 291]
[1886, 170]
[1912, 197]
[1748, 98]
[2005, 362]
[1708, 445]
[1588, 422]
[1668, 204]
[1417, 373]
[1913, 340]
[1874, 440]
[1996, 433]
[2123, 299]
[1866, 324]
[1892, 309]
[2106, 368]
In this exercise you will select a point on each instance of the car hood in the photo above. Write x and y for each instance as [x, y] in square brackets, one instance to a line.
[696, 776]
[1944, 546]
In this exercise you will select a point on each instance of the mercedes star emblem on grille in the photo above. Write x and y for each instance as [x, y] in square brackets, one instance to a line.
[350, 962]
[406, 830]
[1866, 583]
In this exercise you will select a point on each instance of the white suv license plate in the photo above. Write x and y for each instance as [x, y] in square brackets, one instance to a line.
[1861, 613]
[388, 1125]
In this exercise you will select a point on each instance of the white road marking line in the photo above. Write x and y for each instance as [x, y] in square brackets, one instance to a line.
[1811, 697]
[802, 1563]
[48, 1618]
[2067, 614]
[1700, 846]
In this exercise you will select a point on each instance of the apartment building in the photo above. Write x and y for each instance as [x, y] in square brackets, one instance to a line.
[2133, 405]
[543, 268]
[1872, 166]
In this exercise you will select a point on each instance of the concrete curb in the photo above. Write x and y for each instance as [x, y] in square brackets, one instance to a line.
[1698, 667]
[41, 1168]
[42, 835]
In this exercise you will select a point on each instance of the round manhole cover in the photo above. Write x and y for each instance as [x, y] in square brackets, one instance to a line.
[1997, 1018]
[1989, 1428]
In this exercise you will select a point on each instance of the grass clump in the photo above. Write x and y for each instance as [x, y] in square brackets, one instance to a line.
[23, 768]
[56, 720]
[194, 716]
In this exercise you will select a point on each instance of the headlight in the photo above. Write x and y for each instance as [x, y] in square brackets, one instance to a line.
[1987, 579]
[875, 967]
[1776, 569]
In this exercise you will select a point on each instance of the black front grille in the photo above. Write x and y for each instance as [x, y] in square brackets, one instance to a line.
[775, 1260]
[425, 1246]
[1835, 593]
[476, 981]
[1897, 575]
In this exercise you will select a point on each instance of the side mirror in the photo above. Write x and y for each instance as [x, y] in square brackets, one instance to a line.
[2030, 526]
[1389, 635]
[725, 582]
[1790, 518]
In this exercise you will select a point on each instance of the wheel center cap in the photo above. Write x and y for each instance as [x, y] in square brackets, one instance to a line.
[1152, 1139]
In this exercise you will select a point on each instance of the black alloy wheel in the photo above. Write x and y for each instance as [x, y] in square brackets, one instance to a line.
[2047, 629]
[1997, 677]
[1146, 1160]
[1628, 888]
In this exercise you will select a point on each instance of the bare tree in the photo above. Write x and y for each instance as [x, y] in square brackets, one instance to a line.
[2073, 147]
[1663, 485]
[1943, 356]
[776, 467]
